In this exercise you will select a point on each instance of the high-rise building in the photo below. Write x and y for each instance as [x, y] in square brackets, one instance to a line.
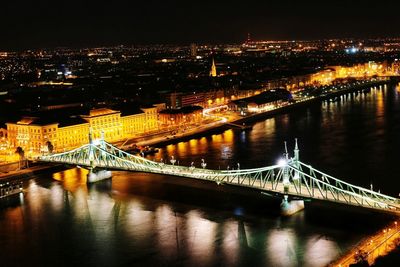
[248, 41]
[213, 71]
[193, 50]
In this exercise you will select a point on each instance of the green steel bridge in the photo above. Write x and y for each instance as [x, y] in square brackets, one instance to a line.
[289, 178]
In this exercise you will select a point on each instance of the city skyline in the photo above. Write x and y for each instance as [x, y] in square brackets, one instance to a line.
[74, 24]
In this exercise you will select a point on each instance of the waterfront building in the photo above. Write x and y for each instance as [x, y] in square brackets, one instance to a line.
[178, 100]
[107, 121]
[31, 133]
[71, 133]
[181, 117]
[205, 99]
[3, 141]
[261, 102]
[34, 134]
[3, 133]
[142, 121]
[324, 77]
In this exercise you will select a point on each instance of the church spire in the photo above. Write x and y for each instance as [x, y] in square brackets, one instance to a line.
[213, 71]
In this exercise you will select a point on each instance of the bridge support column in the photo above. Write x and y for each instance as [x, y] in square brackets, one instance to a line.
[290, 207]
[96, 176]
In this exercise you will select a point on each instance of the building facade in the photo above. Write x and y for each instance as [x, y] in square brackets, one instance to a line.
[31, 134]
[181, 117]
[107, 121]
[3, 133]
[146, 121]
[71, 136]
[34, 134]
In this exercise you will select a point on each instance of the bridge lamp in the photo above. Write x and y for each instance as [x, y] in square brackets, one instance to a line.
[203, 164]
[282, 162]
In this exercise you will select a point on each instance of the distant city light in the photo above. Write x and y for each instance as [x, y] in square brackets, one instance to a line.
[351, 50]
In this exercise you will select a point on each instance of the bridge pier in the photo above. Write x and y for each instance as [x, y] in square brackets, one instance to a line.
[96, 176]
[290, 207]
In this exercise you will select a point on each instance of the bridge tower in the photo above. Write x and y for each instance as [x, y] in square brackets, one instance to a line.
[94, 174]
[285, 170]
[296, 151]
[296, 161]
[289, 207]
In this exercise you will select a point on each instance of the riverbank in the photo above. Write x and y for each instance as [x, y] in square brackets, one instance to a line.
[373, 247]
[31, 172]
[218, 127]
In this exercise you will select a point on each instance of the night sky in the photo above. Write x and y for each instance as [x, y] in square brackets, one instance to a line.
[41, 24]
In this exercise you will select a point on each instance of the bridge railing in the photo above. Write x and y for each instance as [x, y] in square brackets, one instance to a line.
[342, 184]
[320, 185]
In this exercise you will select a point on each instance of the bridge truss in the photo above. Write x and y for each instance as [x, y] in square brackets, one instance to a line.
[291, 177]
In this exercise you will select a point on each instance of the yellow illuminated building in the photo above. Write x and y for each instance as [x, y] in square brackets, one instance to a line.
[72, 136]
[33, 134]
[140, 123]
[107, 121]
[324, 77]
[357, 71]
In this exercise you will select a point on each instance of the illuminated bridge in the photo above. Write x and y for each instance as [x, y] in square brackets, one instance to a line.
[291, 178]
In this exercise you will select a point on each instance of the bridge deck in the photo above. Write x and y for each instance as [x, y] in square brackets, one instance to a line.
[293, 178]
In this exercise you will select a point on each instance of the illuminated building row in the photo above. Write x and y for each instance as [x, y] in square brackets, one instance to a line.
[181, 117]
[328, 75]
[34, 134]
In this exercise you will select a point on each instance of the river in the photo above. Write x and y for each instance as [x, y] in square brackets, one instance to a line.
[141, 219]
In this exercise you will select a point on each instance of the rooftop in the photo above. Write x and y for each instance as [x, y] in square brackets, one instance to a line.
[101, 111]
[266, 97]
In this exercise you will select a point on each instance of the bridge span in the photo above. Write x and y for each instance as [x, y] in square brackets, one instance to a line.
[289, 178]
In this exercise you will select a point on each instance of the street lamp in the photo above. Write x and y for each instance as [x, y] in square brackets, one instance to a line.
[203, 164]
[172, 160]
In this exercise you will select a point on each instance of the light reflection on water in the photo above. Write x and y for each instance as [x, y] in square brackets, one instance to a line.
[107, 225]
[141, 219]
[332, 134]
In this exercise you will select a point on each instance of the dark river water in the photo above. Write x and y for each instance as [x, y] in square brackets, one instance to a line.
[138, 219]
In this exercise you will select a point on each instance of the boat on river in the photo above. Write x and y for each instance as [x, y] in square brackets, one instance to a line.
[8, 189]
